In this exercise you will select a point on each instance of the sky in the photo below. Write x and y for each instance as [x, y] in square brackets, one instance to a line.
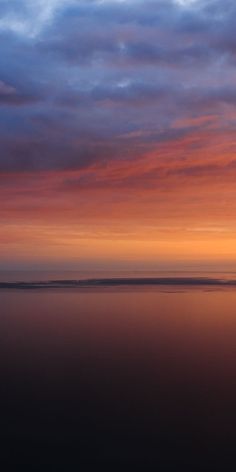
[117, 133]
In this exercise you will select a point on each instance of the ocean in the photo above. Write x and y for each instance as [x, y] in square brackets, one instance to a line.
[115, 375]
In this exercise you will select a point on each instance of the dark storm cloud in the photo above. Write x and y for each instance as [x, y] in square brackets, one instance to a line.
[91, 82]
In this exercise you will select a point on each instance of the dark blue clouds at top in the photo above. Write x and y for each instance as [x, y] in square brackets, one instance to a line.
[145, 29]
[75, 82]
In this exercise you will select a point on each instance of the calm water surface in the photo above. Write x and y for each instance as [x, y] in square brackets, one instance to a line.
[118, 376]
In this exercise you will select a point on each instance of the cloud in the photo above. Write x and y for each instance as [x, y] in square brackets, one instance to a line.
[85, 83]
[28, 18]
[6, 90]
[10, 97]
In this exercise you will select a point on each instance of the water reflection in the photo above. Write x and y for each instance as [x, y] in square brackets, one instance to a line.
[128, 374]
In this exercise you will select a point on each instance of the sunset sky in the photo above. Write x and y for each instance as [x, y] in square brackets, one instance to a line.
[117, 134]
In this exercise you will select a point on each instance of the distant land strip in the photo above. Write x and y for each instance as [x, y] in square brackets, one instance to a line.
[115, 282]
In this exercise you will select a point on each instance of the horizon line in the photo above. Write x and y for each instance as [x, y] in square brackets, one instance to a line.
[117, 281]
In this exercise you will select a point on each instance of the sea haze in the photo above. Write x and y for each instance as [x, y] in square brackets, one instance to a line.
[110, 376]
